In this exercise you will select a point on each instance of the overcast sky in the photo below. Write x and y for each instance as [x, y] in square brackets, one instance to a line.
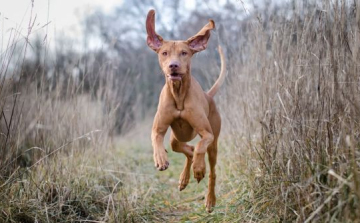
[62, 15]
[52, 17]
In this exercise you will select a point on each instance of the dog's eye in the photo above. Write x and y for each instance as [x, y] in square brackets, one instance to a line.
[183, 53]
[164, 53]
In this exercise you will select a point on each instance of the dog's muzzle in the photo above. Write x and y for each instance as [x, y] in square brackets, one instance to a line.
[175, 77]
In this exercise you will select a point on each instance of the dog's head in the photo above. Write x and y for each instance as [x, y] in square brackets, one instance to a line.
[175, 56]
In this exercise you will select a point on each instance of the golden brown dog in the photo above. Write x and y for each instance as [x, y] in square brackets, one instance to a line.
[185, 107]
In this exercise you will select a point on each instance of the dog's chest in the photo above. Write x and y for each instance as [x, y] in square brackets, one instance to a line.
[182, 129]
[181, 124]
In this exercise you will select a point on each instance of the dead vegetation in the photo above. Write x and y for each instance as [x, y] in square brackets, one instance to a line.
[296, 100]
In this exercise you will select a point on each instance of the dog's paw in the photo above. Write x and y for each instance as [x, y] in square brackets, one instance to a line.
[183, 183]
[210, 202]
[199, 166]
[161, 160]
[184, 179]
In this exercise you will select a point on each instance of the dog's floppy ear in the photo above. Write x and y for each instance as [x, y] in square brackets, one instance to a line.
[198, 42]
[154, 41]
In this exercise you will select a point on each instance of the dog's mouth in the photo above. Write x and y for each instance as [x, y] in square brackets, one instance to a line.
[175, 76]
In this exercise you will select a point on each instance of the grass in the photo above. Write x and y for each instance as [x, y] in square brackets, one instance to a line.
[295, 101]
[163, 201]
[119, 184]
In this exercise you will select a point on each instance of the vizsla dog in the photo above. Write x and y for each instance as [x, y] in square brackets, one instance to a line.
[185, 107]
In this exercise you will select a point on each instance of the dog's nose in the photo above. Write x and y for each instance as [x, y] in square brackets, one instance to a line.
[174, 65]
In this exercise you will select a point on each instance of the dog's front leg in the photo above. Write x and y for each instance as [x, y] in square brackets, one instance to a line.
[157, 138]
[198, 120]
[199, 166]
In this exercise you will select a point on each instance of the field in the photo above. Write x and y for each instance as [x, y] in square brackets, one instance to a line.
[75, 127]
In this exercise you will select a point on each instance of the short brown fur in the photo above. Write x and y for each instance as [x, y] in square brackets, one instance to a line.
[185, 107]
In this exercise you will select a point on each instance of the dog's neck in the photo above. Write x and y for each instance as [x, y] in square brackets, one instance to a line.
[179, 89]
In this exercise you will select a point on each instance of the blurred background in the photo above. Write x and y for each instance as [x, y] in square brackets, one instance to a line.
[79, 88]
[95, 45]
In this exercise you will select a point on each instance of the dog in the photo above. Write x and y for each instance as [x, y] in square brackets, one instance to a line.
[185, 107]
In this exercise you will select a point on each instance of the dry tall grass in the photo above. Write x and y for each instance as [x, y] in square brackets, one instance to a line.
[294, 96]
[49, 128]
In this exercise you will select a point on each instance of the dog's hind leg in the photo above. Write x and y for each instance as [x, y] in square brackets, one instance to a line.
[211, 198]
[215, 122]
[187, 150]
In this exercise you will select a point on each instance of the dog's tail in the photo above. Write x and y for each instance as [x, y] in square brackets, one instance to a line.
[214, 89]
